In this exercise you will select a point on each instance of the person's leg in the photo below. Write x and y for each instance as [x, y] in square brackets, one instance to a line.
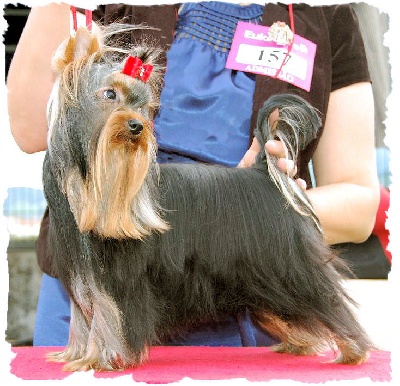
[253, 335]
[52, 315]
[230, 332]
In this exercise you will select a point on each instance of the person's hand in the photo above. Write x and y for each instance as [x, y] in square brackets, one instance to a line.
[250, 156]
[277, 149]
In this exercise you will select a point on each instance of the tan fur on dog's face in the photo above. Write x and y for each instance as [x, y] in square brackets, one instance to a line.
[100, 125]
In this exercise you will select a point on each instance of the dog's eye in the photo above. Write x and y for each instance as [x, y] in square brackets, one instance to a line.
[109, 94]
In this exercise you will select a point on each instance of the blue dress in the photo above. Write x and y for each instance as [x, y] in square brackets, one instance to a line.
[204, 116]
[205, 108]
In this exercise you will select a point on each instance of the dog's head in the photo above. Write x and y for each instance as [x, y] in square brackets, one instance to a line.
[94, 80]
[101, 144]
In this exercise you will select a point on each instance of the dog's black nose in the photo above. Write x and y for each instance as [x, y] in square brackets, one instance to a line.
[135, 126]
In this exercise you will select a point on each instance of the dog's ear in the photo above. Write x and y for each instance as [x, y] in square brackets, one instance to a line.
[78, 46]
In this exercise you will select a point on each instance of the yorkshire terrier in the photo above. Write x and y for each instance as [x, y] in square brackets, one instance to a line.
[145, 249]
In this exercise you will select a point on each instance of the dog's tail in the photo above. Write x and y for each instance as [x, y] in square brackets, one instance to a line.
[296, 127]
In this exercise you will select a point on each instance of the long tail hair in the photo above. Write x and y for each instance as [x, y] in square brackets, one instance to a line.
[296, 127]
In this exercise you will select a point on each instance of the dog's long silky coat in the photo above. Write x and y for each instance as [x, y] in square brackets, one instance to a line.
[146, 250]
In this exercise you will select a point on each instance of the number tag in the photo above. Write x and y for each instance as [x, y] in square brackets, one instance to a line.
[253, 51]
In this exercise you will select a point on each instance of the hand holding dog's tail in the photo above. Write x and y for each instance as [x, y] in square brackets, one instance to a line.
[296, 126]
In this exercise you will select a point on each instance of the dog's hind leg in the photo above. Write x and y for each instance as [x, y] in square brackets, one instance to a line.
[344, 331]
[311, 335]
[293, 339]
[348, 335]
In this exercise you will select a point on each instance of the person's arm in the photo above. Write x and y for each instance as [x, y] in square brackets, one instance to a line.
[346, 196]
[29, 80]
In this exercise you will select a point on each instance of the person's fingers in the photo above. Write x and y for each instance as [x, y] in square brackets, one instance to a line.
[302, 183]
[287, 166]
[275, 148]
[273, 119]
[250, 155]
[248, 159]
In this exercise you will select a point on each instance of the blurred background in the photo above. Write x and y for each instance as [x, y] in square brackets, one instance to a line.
[22, 209]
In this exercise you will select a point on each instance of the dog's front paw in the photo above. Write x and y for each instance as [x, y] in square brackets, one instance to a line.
[105, 361]
[86, 364]
[58, 356]
[70, 353]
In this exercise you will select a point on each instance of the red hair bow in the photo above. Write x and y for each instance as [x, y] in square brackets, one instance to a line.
[135, 68]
